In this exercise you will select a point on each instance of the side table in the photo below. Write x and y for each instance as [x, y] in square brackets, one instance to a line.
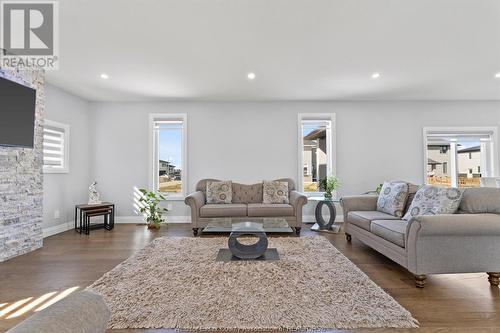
[321, 224]
[86, 211]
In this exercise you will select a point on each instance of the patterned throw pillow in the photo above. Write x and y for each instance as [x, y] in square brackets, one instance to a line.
[275, 192]
[219, 192]
[392, 198]
[433, 200]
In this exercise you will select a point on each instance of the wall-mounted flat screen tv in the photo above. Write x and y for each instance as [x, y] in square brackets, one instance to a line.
[17, 114]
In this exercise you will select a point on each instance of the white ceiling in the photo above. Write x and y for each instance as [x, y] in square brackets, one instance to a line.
[299, 49]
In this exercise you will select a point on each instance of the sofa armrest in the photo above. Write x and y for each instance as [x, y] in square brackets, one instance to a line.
[195, 200]
[298, 200]
[455, 225]
[358, 202]
[453, 243]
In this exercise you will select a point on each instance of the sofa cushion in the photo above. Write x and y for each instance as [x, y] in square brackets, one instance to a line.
[264, 210]
[275, 192]
[363, 218]
[247, 193]
[392, 198]
[219, 192]
[433, 200]
[412, 190]
[480, 200]
[393, 231]
[223, 210]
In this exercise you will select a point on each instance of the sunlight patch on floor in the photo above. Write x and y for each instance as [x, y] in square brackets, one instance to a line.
[26, 305]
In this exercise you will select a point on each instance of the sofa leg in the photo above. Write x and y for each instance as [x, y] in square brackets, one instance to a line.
[195, 232]
[420, 281]
[297, 231]
[494, 278]
[348, 237]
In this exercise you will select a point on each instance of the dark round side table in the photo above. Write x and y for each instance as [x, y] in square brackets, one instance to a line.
[321, 224]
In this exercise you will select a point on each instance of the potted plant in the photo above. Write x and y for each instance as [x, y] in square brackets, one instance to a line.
[153, 213]
[329, 185]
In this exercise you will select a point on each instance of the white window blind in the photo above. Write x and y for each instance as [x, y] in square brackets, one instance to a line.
[55, 147]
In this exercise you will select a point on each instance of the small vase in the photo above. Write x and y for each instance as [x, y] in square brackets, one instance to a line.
[328, 195]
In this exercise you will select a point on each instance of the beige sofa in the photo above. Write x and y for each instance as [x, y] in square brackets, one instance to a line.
[466, 242]
[246, 202]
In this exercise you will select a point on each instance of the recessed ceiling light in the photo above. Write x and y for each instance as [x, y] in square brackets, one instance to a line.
[104, 76]
[497, 75]
[251, 76]
[375, 75]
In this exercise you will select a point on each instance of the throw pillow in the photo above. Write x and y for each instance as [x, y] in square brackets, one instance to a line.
[275, 192]
[433, 200]
[219, 192]
[392, 198]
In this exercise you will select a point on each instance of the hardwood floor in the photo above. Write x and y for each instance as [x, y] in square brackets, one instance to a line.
[449, 303]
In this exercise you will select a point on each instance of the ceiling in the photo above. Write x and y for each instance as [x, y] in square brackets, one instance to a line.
[298, 49]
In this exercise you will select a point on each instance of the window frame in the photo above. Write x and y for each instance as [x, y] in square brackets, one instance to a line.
[489, 130]
[66, 137]
[331, 147]
[153, 153]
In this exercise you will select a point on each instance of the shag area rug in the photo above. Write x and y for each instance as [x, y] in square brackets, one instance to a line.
[176, 283]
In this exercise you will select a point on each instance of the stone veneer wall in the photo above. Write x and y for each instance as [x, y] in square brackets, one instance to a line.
[21, 180]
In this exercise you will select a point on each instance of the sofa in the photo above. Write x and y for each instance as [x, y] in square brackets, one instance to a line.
[465, 242]
[246, 202]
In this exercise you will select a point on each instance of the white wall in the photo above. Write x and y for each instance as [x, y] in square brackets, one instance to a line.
[249, 142]
[63, 191]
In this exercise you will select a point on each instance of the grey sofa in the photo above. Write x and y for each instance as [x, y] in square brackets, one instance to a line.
[82, 312]
[246, 202]
[466, 242]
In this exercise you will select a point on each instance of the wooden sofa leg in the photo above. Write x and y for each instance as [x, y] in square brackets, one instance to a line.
[195, 232]
[348, 237]
[420, 281]
[494, 278]
[297, 231]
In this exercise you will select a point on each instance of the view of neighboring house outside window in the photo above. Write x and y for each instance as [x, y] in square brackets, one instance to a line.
[459, 158]
[169, 154]
[316, 147]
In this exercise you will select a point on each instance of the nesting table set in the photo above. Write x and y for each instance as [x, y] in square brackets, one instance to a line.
[85, 212]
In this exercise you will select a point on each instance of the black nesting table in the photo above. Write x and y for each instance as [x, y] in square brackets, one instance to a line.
[84, 212]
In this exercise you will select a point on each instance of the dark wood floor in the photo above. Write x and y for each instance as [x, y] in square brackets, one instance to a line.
[449, 303]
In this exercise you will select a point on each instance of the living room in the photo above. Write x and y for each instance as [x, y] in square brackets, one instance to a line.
[354, 144]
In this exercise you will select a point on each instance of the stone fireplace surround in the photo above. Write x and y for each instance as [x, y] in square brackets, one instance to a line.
[21, 180]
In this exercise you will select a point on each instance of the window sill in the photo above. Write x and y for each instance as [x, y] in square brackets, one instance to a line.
[174, 198]
[54, 171]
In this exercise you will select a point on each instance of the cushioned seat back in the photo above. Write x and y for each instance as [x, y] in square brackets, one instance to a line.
[243, 193]
[411, 194]
[247, 193]
[480, 200]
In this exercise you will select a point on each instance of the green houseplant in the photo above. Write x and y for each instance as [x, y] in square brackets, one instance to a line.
[150, 207]
[329, 185]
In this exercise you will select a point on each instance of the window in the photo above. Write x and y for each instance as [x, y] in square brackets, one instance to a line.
[55, 147]
[466, 150]
[316, 152]
[168, 154]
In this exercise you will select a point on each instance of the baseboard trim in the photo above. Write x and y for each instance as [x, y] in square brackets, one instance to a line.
[57, 229]
[312, 218]
[139, 219]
